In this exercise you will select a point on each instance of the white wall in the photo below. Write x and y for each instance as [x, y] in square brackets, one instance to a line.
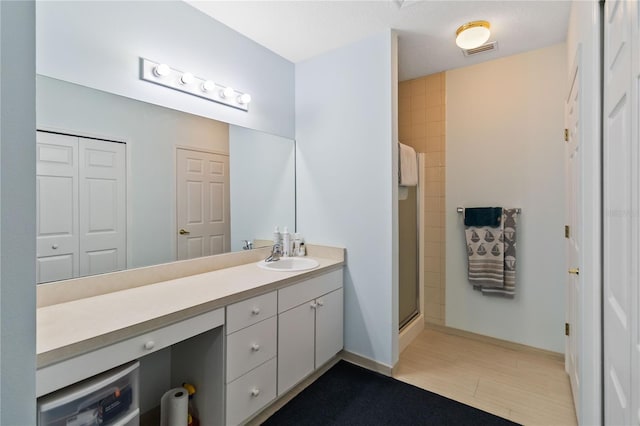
[347, 181]
[505, 121]
[98, 44]
[263, 184]
[17, 214]
[583, 48]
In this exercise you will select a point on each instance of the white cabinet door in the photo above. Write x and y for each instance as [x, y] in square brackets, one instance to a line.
[295, 345]
[56, 207]
[102, 184]
[329, 326]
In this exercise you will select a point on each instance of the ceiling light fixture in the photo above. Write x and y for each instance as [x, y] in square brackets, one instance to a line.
[473, 34]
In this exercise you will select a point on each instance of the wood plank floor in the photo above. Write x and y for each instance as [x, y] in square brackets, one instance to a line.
[522, 386]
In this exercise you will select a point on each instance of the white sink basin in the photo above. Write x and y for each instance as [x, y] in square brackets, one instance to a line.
[289, 264]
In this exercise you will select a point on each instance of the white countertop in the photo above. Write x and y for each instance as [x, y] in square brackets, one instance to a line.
[71, 328]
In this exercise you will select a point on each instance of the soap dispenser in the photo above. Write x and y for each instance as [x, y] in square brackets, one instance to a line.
[286, 243]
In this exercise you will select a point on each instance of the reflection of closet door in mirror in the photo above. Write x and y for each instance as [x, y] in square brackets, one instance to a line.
[102, 224]
[202, 203]
[81, 207]
[57, 207]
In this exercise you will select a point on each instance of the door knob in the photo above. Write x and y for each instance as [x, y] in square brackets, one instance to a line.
[574, 271]
[183, 232]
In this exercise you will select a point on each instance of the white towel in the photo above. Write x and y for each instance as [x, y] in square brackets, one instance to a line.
[408, 170]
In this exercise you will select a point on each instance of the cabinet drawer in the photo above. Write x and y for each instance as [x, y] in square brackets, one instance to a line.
[75, 369]
[250, 347]
[296, 294]
[251, 392]
[251, 311]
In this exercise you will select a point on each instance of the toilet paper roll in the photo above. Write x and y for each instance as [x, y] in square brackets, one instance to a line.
[174, 407]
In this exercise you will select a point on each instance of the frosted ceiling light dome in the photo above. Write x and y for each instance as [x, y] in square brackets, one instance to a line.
[473, 34]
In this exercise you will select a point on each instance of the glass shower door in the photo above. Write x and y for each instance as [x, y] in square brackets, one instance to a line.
[408, 251]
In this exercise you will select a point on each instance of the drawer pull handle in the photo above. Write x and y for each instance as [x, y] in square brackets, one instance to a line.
[255, 311]
[320, 302]
[255, 347]
[149, 345]
[313, 305]
[55, 246]
[255, 392]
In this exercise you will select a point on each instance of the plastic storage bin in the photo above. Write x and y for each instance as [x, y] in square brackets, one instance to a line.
[110, 398]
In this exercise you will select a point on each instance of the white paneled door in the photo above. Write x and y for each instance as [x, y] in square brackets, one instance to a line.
[102, 206]
[620, 218]
[202, 202]
[81, 206]
[57, 242]
[573, 233]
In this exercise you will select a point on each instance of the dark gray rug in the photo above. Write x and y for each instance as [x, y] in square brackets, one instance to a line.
[352, 395]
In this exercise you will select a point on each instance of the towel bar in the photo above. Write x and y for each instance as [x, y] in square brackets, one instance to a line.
[461, 210]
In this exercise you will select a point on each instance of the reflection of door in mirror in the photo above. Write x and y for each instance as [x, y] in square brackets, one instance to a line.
[81, 206]
[202, 202]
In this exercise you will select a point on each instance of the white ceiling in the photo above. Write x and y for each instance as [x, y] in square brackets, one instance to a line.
[300, 29]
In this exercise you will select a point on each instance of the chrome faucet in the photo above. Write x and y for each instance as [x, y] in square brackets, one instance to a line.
[276, 252]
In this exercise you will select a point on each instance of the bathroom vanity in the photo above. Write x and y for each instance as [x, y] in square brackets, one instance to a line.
[242, 334]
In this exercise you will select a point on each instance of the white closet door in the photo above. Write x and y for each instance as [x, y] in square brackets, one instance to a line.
[57, 207]
[102, 222]
[202, 203]
[620, 218]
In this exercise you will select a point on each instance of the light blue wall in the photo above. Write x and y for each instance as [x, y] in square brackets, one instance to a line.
[98, 44]
[17, 214]
[347, 181]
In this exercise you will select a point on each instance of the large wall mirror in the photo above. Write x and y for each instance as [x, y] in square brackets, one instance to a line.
[163, 148]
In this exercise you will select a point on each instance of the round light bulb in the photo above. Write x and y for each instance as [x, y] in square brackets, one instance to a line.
[473, 34]
[187, 78]
[227, 92]
[161, 70]
[208, 86]
[244, 99]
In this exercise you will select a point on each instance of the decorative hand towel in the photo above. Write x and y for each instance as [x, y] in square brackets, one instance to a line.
[509, 239]
[408, 167]
[483, 216]
[485, 251]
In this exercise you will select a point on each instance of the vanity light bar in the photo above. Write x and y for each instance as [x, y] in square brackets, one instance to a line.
[186, 82]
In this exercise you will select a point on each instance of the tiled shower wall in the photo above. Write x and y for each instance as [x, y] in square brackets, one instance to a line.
[421, 118]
